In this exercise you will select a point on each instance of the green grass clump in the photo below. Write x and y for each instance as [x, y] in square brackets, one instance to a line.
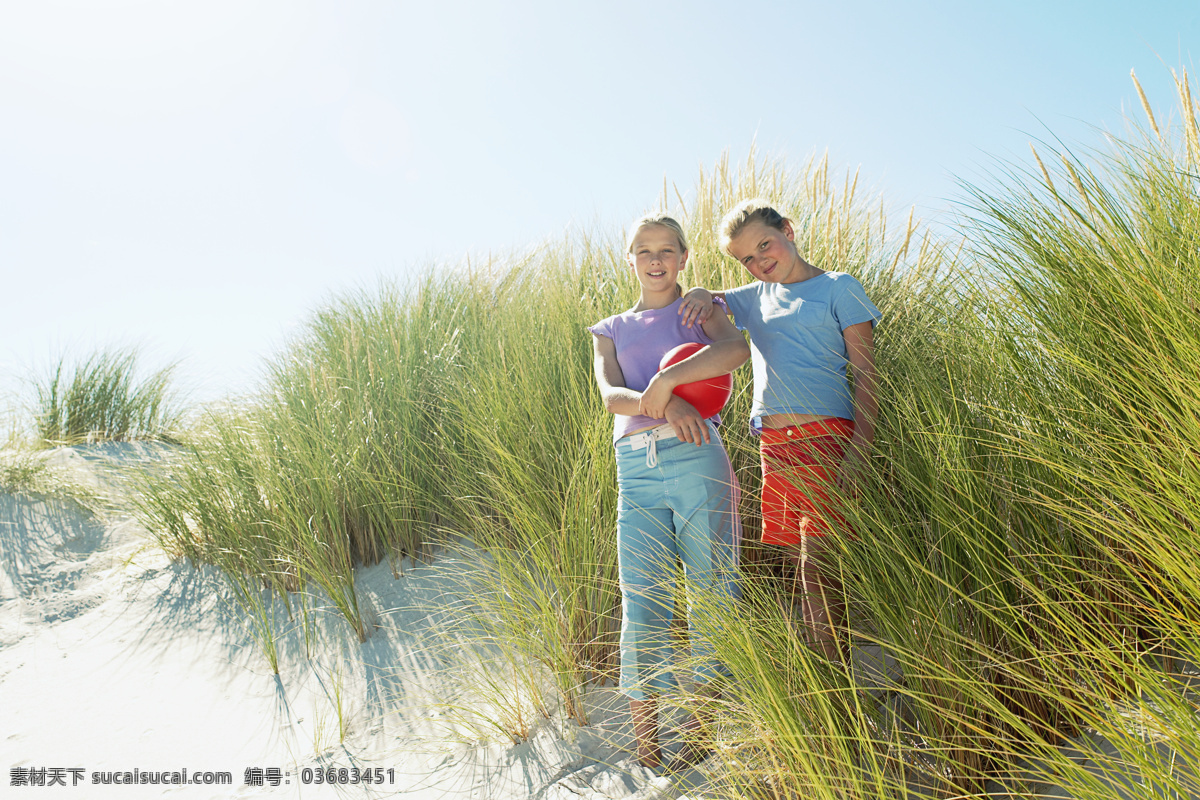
[104, 398]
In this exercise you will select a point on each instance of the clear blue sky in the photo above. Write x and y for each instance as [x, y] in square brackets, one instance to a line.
[198, 176]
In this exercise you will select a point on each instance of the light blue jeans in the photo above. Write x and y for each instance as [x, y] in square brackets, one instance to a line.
[678, 505]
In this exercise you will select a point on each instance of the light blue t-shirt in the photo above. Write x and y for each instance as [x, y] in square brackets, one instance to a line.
[796, 342]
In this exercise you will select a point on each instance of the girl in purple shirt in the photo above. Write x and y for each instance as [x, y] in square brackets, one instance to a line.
[678, 494]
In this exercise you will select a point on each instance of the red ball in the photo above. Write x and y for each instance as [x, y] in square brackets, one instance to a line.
[708, 396]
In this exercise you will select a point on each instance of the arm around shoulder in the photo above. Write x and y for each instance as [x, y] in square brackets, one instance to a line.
[698, 305]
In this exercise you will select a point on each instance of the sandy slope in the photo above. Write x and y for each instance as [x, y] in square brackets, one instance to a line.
[112, 658]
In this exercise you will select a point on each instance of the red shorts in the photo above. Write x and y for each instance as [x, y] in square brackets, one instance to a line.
[798, 462]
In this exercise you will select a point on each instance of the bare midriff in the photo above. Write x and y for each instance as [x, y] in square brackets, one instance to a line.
[787, 420]
[768, 421]
[640, 430]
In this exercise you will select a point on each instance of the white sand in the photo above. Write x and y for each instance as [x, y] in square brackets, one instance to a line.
[114, 659]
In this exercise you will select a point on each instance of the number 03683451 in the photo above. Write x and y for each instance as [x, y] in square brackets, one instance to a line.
[347, 775]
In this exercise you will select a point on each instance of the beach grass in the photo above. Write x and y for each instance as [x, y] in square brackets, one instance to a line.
[105, 397]
[1023, 557]
[1022, 543]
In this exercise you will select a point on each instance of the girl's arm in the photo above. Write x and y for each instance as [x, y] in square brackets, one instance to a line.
[618, 399]
[727, 352]
[860, 350]
[697, 305]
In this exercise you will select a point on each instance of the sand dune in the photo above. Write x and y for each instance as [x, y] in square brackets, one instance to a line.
[114, 659]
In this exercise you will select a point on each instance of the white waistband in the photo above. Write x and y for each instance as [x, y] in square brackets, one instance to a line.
[648, 440]
[639, 440]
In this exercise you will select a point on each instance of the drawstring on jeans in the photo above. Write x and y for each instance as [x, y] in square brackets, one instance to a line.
[649, 440]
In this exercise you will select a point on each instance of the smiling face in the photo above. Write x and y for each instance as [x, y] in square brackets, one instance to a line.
[768, 253]
[656, 257]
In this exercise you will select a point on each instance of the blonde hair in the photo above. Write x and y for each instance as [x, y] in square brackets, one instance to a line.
[656, 218]
[753, 210]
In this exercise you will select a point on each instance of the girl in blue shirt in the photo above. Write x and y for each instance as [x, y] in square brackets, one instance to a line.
[808, 329]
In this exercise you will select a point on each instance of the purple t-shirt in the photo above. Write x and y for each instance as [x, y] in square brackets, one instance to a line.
[642, 338]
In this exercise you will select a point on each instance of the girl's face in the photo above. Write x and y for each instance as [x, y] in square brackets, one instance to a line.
[656, 258]
[768, 253]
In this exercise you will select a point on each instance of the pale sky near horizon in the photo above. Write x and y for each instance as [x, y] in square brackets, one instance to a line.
[198, 177]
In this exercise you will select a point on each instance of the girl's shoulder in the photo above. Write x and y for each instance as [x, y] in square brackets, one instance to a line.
[845, 282]
[833, 283]
[751, 288]
[835, 276]
[632, 317]
[744, 294]
[848, 299]
[605, 326]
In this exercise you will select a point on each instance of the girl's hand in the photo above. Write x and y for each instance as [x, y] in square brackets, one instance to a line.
[697, 306]
[656, 397]
[686, 420]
